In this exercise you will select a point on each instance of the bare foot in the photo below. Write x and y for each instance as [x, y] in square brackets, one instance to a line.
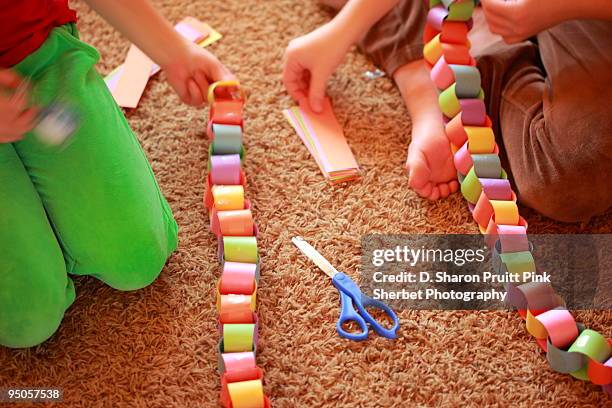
[430, 164]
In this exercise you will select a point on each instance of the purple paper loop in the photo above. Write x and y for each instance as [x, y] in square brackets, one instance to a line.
[496, 189]
[225, 169]
[513, 238]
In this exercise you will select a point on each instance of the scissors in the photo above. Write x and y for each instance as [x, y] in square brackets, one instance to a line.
[351, 297]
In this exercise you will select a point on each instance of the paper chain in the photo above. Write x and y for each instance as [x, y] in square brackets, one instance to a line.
[569, 347]
[232, 222]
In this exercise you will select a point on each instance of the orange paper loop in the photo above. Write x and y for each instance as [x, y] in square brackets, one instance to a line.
[236, 223]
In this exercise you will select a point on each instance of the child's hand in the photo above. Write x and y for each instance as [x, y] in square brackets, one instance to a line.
[16, 118]
[517, 20]
[191, 74]
[309, 61]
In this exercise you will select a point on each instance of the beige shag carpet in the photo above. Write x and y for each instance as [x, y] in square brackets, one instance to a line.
[156, 347]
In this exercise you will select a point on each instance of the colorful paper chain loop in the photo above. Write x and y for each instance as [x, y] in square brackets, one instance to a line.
[569, 347]
[231, 220]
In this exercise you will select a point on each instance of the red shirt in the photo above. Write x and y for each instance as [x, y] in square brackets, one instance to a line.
[25, 25]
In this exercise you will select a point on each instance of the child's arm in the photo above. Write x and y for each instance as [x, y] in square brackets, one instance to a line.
[312, 58]
[517, 20]
[16, 118]
[189, 68]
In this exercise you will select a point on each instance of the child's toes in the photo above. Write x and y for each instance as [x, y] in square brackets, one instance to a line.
[425, 191]
[453, 186]
[444, 190]
[419, 173]
[435, 194]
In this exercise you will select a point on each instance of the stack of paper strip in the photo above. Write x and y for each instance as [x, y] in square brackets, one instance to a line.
[324, 138]
[127, 81]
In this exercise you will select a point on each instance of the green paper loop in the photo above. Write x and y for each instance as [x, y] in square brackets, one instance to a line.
[227, 140]
[240, 249]
[593, 345]
[518, 262]
[471, 188]
[238, 337]
[460, 11]
[449, 104]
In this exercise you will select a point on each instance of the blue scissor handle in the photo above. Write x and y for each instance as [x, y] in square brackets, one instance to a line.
[347, 314]
[351, 294]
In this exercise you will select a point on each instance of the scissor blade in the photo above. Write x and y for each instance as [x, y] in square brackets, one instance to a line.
[314, 256]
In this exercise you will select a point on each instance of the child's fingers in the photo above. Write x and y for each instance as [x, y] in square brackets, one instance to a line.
[500, 27]
[202, 82]
[14, 131]
[512, 39]
[497, 7]
[12, 107]
[180, 87]
[195, 95]
[293, 75]
[316, 93]
[25, 122]
[9, 78]
[221, 73]
[19, 100]
[498, 16]
[10, 136]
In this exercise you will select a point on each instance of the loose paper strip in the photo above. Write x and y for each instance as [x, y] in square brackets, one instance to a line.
[191, 29]
[291, 116]
[134, 78]
[324, 138]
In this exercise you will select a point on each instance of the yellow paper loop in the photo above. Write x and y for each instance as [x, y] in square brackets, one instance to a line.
[534, 327]
[246, 394]
[228, 198]
[481, 139]
[506, 212]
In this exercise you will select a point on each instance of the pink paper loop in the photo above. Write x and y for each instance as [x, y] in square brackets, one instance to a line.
[442, 75]
[473, 112]
[463, 160]
[237, 361]
[436, 17]
[560, 325]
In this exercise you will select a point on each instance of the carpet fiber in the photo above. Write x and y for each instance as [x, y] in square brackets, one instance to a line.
[156, 347]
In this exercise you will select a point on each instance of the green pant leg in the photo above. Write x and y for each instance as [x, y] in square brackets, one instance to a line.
[34, 287]
[99, 191]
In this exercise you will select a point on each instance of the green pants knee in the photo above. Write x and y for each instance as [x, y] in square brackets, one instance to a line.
[91, 208]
